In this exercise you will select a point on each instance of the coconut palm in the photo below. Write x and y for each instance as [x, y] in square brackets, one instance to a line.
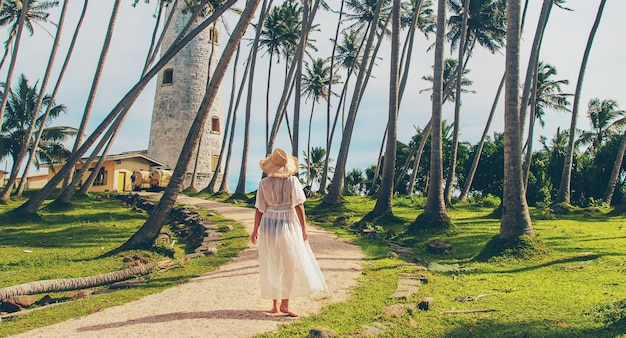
[315, 162]
[18, 121]
[148, 232]
[548, 95]
[435, 214]
[564, 188]
[348, 55]
[384, 199]
[315, 87]
[334, 192]
[31, 206]
[36, 14]
[605, 118]
[515, 221]
[617, 165]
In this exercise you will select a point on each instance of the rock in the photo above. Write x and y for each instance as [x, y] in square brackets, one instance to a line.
[425, 303]
[9, 307]
[392, 255]
[438, 246]
[320, 332]
[22, 301]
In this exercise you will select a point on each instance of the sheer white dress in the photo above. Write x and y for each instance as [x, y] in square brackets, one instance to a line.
[287, 266]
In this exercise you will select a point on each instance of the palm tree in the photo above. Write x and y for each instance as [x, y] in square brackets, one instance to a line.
[547, 95]
[36, 14]
[44, 84]
[515, 221]
[617, 165]
[384, 200]
[334, 192]
[315, 82]
[18, 121]
[148, 232]
[240, 190]
[31, 206]
[315, 163]
[605, 118]
[435, 214]
[349, 52]
[564, 188]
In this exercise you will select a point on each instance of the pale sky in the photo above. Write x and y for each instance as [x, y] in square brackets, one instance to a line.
[563, 47]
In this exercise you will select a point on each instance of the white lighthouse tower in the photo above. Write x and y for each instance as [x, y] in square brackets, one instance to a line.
[180, 89]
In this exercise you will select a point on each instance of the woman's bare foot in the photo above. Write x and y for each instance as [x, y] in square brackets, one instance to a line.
[274, 306]
[284, 308]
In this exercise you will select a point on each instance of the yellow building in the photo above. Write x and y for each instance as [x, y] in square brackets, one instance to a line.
[116, 171]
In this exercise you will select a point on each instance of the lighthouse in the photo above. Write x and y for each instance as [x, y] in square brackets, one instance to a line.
[180, 88]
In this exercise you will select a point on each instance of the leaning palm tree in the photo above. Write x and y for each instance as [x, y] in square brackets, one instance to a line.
[315, 87]
[147, 233]
[42, 90]
[547, 95]
[563, 195]
[334, 192]
[31, 206]
[617, 165]
[515, 221]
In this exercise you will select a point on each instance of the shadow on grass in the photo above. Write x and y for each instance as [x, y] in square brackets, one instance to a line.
[485, 328]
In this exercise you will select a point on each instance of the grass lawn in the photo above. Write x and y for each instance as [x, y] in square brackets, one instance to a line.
[575, 289]
[71, 243]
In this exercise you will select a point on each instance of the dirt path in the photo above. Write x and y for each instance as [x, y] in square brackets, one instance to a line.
[223, 303]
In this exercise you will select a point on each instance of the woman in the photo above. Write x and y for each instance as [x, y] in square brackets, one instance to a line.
[287, 267]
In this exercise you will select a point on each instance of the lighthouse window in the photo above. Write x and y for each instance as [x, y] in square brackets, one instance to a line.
[213, 36]
[215, 124]
[168, 76]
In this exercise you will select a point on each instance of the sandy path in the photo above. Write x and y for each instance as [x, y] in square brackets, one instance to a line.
[223, 303]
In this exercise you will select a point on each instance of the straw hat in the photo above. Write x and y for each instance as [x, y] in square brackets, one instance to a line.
[279, 164]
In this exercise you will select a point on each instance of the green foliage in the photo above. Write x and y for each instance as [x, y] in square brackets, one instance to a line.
[610, 313]
[488, 200]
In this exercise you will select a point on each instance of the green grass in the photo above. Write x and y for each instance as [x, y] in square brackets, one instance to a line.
[576, 288]
[72, 242]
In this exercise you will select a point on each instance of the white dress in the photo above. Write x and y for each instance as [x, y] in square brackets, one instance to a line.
[287, 266]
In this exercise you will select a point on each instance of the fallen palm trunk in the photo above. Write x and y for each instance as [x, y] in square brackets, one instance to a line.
[57, 285]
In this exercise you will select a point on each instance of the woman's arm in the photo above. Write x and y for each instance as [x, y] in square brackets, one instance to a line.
[255, 232]
[302, 219]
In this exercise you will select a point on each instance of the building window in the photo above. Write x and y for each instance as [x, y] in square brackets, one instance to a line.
[215, 124]
[214, 159]
[168, 76]
[101, 178]
[213, 35]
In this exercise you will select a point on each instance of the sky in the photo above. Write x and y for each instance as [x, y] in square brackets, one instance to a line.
[563, 47]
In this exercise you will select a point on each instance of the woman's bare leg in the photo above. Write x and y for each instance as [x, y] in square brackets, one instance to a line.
[284, 308]
[274, 306]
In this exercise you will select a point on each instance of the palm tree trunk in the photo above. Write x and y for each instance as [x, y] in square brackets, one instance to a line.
[97, 76]
[418, 156]
[322, 186]
[617, 166]
[154, 46]
[308, 148]
[515, 220]
[384, 201]
[37, 108]
[531, 71]
[31, 206]
[435, 208]
[230, 118]
[145, 236]
[481, 143]
[241, 183]
[59, 285]
[531, 132]
[6, 192]
[334, 192]
[447, 194]
[295, 65]
[563, 195]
